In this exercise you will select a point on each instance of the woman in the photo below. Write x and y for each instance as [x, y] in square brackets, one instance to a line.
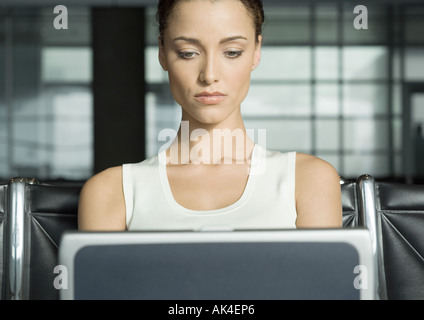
[209, 49]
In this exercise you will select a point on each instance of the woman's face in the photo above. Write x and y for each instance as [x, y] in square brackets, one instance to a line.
[209, 50]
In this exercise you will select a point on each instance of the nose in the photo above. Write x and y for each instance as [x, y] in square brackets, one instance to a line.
[209, 72]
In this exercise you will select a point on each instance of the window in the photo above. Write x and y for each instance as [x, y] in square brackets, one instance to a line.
[45, 104]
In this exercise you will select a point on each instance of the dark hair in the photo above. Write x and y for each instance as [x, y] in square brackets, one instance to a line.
[254, 7]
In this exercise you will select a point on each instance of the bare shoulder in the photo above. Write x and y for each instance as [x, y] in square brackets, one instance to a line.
[101, 204]
[309, 167]
[318, 193]
[105, 181]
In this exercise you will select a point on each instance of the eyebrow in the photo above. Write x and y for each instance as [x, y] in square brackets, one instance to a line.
[196, 41]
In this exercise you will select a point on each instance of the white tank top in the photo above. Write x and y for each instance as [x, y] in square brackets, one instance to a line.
[268, 200]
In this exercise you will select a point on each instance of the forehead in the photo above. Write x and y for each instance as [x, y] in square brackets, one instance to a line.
[205, 17]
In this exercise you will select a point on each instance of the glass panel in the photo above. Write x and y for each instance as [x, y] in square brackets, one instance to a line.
[154, 71]
[72, 138]
[2, 68]
[277, 100]
[397, 98]
[4, 168]
[52, 123]
[25, 159]
[364, 63]
[377, 25]
[26, 78]
[414, 63]
[4, 163]
[151, 33]
[30, 149]
[284, 63]
[3, 124]
[26, 23]
[366, 135]
[362, 99]
[3, 151]
[417, 112]
[398, 165]
[161, 120]
[57, 144]
[24, 143]
[27, 132]
[286, 24]
[414, 24]
[397, 135]
[326, 30]
[78, 32]
[3, 107]
[417, 116]
[66, 64]
[327, 135]
[28, 106]
[396, 63]
[327, 99]
[284, 135]
[327, 63]
[70, 163]
[2, 25]
[375, 165]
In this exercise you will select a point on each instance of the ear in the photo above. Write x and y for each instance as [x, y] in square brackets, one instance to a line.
[257, 55]
[161, 55]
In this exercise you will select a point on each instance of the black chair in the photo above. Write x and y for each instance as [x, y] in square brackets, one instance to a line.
[44, 211]
[349, 203]
[3, 199]
[394, 212]
[47, 211]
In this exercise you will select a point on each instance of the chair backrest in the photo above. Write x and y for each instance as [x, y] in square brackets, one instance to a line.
[394, 213]
[349, 203]
[42, 212]
[47, 211]
[51, 210]
[401, 214]
[3, 203]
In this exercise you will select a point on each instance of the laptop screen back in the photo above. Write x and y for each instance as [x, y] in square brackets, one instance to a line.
[215, 266]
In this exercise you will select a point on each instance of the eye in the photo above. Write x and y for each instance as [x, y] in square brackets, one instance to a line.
[187, 54]
[233, 53]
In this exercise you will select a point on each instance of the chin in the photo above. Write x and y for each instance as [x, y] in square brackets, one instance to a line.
[209, 121]
[210, 118]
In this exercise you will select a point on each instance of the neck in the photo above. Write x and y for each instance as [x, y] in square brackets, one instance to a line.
[226, 142]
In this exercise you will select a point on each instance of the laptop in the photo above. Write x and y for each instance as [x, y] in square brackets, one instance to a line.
[305, 264]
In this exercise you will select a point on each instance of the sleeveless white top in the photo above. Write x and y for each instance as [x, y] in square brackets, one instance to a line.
[268, 200]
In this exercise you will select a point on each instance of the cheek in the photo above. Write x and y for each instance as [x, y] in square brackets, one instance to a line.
[179, 78]
[242, 74]
[239, 77]
[180, 83]
[240, 68]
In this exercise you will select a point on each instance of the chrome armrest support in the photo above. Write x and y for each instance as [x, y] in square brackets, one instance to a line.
[17, 271]
[369, 217]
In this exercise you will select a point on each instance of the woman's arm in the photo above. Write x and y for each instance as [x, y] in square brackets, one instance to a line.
[101, 204]
[318, 193]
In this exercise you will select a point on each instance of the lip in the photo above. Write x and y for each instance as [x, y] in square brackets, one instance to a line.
[210, 97]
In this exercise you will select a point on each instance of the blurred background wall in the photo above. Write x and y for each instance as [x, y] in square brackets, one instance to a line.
[76, 101]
